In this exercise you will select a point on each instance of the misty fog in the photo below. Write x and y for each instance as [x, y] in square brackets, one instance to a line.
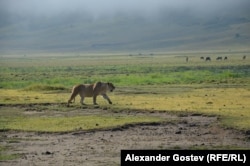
[130, 24]
[100, 7]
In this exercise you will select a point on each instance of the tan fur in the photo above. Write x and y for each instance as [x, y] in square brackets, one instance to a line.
[91, 90]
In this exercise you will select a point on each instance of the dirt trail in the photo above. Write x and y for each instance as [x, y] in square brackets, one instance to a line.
[103, 147]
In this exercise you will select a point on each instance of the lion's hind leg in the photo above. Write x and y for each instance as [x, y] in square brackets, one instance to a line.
[72, 97]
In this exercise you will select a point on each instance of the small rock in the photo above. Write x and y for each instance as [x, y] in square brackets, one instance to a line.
[178, 132]
[47, 153]
[248, 132]
[192, 125]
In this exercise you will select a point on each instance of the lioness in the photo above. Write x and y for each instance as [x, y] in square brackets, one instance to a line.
[92, 90]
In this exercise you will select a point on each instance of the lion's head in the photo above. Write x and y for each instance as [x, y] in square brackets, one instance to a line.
[111, 87]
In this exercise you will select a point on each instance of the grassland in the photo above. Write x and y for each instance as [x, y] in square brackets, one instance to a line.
[163, 82]
[34, 90]
[122, 70]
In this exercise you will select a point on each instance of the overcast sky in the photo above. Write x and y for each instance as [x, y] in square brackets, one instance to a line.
[36, 24]
[100, 7]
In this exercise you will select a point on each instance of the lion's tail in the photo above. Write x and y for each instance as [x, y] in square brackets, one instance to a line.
[72, 97]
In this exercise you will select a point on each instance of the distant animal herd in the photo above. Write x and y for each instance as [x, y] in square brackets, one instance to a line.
[219, 58]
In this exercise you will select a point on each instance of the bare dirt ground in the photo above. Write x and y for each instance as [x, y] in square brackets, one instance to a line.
[102, 147]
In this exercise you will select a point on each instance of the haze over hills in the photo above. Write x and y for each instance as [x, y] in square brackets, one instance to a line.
[59, 26]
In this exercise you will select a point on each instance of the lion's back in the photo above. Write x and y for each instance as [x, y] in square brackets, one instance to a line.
[85, 89]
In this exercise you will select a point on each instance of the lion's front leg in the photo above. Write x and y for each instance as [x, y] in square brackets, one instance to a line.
[82, 101]
[105, 96]
[94, 100]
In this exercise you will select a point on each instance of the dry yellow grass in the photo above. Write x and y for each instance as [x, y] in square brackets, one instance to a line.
[11, 96]
[231, 103]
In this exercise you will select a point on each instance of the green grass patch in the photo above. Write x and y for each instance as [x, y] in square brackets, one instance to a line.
[41, 87]
[67, 124]
[4, 156]
[228, 147]
[59, 73]
[241, 121]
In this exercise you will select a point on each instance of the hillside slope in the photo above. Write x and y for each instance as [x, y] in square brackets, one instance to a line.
[79, 31]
